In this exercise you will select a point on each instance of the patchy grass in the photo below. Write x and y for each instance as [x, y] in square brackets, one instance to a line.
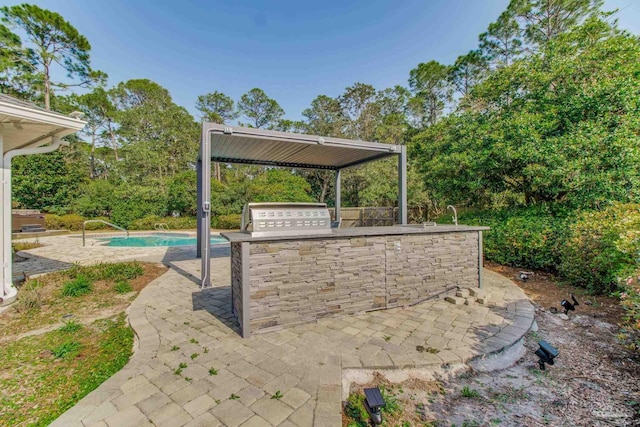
[123, 287]
[25, 245]
[79, 286]
[41, 378]
[469, 393]
[41, 302]
[31, 297]
[71, 326]
[43, 370]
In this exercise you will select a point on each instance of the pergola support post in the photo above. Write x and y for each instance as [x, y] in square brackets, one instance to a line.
[198, 204]
[402, 185]
[204, 208]
[338, 197]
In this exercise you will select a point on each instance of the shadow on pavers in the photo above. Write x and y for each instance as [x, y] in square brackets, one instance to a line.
[217, 302]
[177, 254]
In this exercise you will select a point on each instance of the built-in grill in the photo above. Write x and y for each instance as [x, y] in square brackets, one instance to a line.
[284, 219]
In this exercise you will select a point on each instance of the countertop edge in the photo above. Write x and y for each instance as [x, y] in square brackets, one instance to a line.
[339, 233]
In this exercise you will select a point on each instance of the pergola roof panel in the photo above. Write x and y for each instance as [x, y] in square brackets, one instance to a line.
[257, 146]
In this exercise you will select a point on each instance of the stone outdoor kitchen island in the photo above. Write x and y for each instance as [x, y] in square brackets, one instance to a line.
[282, 281]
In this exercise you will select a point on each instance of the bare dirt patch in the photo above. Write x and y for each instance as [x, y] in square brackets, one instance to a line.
[595, 381]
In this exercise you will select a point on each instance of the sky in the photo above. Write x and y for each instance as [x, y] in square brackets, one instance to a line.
[294, 50]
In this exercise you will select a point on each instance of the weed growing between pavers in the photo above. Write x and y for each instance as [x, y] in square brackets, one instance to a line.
[41, 378]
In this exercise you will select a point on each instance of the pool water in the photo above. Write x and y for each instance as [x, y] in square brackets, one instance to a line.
[157, 240]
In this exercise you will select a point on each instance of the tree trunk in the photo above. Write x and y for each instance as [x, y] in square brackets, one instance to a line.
[47, 88]
[113, 139]
[93, 154]
[325, 188]
[216, 171]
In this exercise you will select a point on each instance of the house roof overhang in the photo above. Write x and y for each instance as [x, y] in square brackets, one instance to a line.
[24, 125]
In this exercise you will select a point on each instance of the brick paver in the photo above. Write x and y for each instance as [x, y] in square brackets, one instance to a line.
[231, 381]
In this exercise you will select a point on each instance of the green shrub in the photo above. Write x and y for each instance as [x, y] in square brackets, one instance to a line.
[71, 222]
[630, 301]
[228, 222]
[52, 221]
[122, 287]
[525, 237]
[601, 247]
[134, 202]
[81, 285]
[174, 223]
[181, 193]
[98, 225]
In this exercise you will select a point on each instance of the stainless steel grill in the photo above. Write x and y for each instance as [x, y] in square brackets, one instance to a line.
[282, 219]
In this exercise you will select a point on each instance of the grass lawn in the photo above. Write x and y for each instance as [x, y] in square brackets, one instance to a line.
[44, 375]
[65, 336]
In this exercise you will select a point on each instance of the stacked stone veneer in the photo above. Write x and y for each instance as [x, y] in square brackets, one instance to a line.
[298, 281]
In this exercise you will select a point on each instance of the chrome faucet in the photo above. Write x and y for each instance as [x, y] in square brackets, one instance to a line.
[455, 214]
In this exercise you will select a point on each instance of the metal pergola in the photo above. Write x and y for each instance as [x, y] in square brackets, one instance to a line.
[233, 144]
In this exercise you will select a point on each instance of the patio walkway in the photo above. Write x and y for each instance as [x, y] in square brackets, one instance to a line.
[230, 381]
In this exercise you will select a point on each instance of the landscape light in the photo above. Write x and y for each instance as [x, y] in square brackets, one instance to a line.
[546, 353]
[373, 402]
[568, 306]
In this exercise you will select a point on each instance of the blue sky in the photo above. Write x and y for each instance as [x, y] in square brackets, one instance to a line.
[294, 50]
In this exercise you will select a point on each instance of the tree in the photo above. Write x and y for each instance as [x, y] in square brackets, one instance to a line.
[216, 107]
[259, 109]
[467, 72]
[159, 138]
[15, 66]
[358, 104]
[428, 82]
[544, 20]
[54, 42]
[501, 43]
[98, 111]
[324, 117]
[568, 134]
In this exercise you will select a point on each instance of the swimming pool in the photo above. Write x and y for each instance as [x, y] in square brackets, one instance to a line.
[148, 241]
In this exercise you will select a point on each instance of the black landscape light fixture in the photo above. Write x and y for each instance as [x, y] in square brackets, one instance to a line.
[568, 306]
[373, 403]
[546, 353]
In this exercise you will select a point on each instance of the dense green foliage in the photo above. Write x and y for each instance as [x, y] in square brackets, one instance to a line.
[527, 237]
[559, 125]
[630, 298]
[602, 247]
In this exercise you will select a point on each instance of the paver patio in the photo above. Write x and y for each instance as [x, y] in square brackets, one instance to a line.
[304, 363]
